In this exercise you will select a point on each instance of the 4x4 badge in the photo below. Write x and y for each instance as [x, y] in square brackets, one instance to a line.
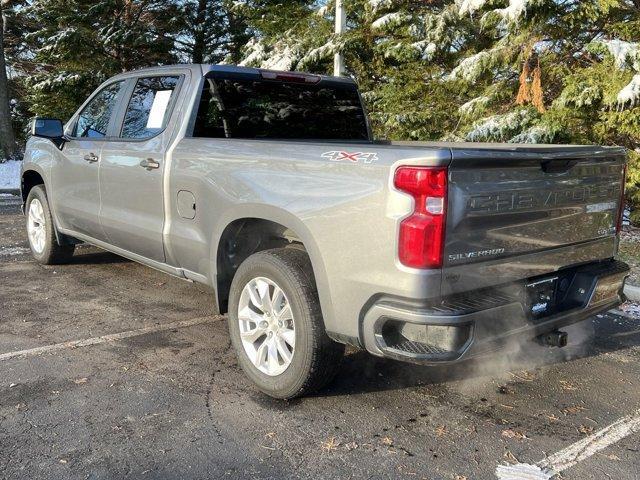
[338, 156]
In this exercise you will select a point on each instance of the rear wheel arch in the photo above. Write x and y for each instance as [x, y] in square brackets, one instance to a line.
[240, 239]
[276, 229]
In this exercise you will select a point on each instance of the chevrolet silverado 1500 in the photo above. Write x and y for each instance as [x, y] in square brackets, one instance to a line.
[268, 187]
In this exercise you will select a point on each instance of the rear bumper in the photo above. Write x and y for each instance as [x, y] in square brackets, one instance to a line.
[467, 325]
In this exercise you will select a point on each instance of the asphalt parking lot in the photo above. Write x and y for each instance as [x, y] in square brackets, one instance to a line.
[165, 399]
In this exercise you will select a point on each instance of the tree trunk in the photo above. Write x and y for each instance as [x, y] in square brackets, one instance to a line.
[7, 137]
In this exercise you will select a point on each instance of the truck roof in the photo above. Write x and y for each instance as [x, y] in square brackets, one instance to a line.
[204, 68]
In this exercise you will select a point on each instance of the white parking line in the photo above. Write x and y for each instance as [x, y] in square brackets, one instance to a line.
[105, 338]
[573, 454]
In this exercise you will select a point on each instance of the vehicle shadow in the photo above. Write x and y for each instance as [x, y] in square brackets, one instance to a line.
[363, 373]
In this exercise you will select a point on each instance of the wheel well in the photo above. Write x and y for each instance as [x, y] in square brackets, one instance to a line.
[30, 179]
[243, 238]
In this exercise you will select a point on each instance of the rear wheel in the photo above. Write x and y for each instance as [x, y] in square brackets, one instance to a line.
[40, 230]
[276, 325]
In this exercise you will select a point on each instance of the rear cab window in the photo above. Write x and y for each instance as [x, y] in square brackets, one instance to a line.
[149, 107]
[300, 107]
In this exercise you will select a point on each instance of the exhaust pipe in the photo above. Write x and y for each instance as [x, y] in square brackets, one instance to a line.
[554, 339]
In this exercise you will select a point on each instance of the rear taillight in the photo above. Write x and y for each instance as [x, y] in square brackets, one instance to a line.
[421, 240]
[621, 209]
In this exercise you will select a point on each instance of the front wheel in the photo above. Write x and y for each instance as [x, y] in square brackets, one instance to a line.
[41, 231]
[276, 325]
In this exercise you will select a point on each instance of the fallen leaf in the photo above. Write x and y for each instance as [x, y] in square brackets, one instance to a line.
[567, 386]
[510, 433]
[611, 456]
[441, 430]
[572, 410]
[330, 445]
[586, 429]
[510, 457]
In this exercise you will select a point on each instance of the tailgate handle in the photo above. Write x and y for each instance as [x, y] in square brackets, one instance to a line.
[557, 166]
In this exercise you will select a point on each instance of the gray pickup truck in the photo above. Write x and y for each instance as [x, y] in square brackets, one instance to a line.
[268, 187]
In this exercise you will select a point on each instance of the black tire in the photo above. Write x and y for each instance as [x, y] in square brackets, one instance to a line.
[316, 357]
[52, 253]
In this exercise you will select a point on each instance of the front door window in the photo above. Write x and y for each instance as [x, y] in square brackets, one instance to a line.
[93, 121]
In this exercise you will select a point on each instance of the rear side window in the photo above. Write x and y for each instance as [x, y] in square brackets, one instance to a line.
[148, 109]
[265, 109]
[93, 121]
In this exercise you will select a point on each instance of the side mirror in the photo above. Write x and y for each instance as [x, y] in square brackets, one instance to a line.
[47, 128]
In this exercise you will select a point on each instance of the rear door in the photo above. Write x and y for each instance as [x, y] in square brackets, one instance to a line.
[74, 177]
[526, 204]
[132, 167]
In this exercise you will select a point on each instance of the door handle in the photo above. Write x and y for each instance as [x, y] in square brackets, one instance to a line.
[91, 157]
[149, 164]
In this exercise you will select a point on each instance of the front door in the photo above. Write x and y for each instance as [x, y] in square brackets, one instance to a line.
[132, 167]
[74, 174]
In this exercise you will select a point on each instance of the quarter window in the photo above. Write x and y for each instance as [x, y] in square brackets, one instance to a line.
[148, 110]
[93, 121]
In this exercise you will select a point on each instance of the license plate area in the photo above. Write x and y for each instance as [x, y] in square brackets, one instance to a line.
[541, 297]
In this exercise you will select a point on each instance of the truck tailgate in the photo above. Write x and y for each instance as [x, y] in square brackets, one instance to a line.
[531, 204]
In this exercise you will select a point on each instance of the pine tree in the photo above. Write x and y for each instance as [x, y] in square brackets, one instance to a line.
[202, 37]
[212, 31]
[76, 44]
[291, 35]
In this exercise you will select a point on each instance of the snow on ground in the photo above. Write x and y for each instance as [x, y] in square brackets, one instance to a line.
[10, 175]
[631, 308]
